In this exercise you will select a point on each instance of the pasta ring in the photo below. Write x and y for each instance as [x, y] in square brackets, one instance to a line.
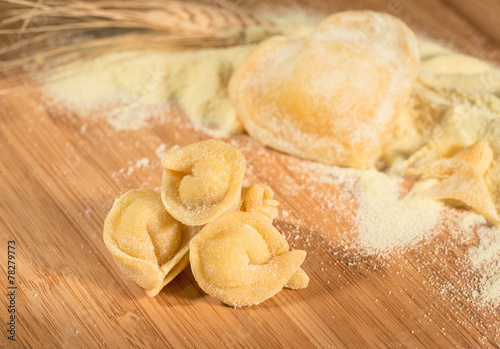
[243, 260]
[147, 244]
[202, 180]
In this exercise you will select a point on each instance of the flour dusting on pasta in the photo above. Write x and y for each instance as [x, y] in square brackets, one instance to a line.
[455, 99]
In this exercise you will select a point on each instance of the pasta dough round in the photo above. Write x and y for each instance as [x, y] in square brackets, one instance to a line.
[202, 180]
[241, 259]
[148, 245]
[331, 96]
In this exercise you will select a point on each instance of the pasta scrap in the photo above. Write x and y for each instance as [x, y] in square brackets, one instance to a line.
[259, 199]
[462, 178]
[201, 181]
[148, 244]
[243, 260]
[479, 155]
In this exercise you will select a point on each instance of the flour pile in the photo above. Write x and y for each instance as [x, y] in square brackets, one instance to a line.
[128, 85]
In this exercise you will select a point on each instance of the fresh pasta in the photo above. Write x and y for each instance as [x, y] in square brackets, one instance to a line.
[461, 172]
[201, 181]
[241, 259]
[332, 96]
[148, 244]
[259, 199]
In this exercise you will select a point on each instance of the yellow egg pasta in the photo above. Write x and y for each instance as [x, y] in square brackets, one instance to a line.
[462, 177]
[148, 244]
[333, 95]
[201, 181]
[241, 259]
[259, 199]
[479, 155]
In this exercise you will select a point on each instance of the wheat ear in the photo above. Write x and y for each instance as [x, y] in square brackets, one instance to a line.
[49, 31]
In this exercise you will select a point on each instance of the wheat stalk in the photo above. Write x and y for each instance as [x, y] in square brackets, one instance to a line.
[47, 30]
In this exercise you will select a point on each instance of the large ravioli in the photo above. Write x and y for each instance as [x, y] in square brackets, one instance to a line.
[333, 95]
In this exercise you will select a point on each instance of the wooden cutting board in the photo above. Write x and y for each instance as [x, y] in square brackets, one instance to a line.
[60, 174]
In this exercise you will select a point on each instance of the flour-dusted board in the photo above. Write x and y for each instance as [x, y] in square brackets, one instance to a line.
[59, 175]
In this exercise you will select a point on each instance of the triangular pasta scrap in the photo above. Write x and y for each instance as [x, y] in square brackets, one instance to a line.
[468, 187]
[440, 168]
[148, 244]
[462, 177]
[479, 155]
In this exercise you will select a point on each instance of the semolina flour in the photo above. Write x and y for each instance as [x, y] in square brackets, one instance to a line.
[455, 99]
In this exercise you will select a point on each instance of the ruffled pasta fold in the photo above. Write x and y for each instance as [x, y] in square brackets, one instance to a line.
[147, 243]
[259, 199]
[243, 260]
[201, 181]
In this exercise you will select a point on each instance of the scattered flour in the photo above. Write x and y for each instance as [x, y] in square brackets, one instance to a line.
[485, 257]
[127, 84]
[141, 163]
[455, 99]
[386, 221]
[161, 150]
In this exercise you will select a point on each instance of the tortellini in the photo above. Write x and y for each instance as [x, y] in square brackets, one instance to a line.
[462, 176]
[333, 95]
[201, 181]
[243, 260]
[238, 257]
[259, 199]
[148, 244]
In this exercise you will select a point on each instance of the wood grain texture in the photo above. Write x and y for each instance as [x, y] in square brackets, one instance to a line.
[60, 174]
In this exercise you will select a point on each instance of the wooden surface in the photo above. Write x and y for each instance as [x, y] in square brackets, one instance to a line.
[59, 175]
